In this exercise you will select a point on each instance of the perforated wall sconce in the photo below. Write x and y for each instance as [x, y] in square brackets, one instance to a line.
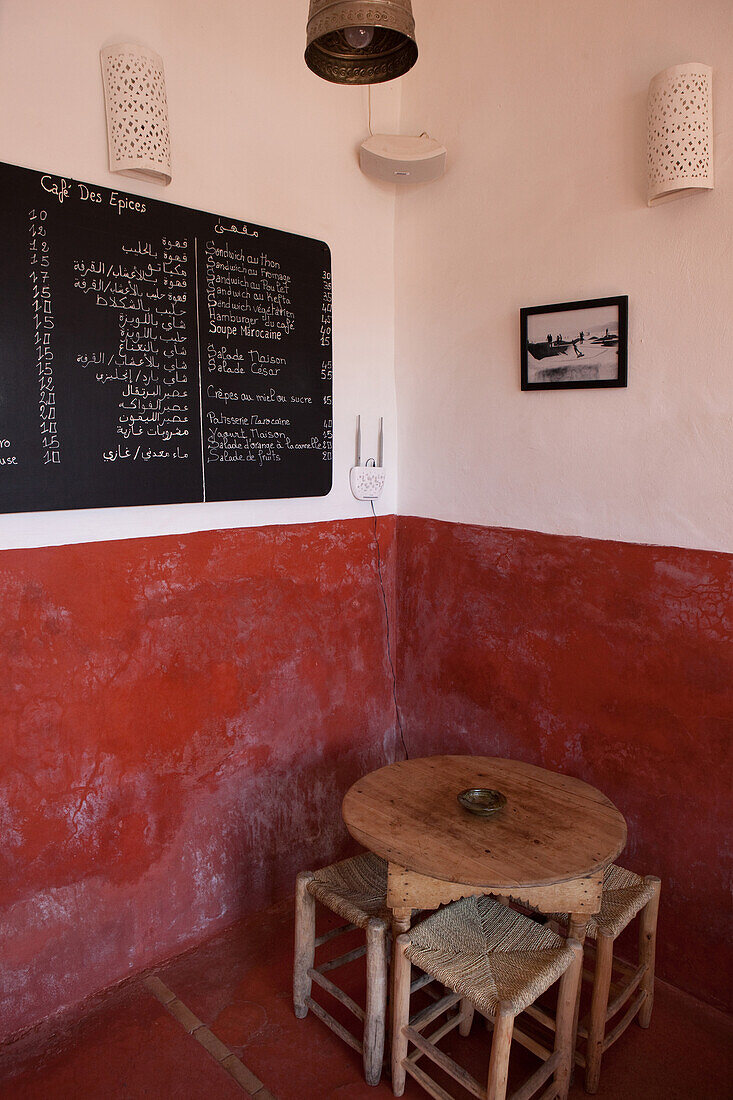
[680, 134]
[137, 113]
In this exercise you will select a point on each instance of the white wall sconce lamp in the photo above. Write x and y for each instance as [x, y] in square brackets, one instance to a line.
[137, 113]
[680, 133]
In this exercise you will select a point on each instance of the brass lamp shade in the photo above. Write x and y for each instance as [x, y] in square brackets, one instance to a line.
[389, 48]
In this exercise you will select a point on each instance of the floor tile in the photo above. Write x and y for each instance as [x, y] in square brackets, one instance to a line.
[238, 985]
[132, 1048]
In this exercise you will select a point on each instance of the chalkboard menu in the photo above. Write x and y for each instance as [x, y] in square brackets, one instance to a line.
[152, 354]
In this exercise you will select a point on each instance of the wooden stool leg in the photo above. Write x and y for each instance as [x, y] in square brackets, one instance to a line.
[400, 924]
[376, 1000]
[647, 950]
[400, 1012]
[577, 930]
[501, 1044]
[598, 1008]
[566, 998]
[305, 943]
[466, 1009]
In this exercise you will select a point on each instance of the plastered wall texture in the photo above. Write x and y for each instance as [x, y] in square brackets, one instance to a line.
[608, 661]
[543, 110]
[255, 135]
[180, 719]
[182, 715]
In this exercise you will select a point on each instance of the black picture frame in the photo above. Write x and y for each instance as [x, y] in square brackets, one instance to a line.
[605, 355]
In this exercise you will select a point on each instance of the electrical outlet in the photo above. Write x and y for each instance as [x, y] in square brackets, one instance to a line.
[367, 481]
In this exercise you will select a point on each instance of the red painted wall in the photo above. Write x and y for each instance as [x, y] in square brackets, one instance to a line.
[180, 719]
[607, 661]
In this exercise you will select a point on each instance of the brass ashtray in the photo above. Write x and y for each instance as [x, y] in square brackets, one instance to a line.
[482, 801]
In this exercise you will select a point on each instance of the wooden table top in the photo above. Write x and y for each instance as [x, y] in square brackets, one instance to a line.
[553, 828]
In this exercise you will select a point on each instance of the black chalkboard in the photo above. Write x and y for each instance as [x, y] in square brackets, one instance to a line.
[153, 354]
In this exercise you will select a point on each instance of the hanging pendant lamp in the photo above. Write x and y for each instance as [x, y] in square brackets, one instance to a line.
[360, 43]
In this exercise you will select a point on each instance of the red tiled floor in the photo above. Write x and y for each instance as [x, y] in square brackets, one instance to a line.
[129, 1046]
[239, 985]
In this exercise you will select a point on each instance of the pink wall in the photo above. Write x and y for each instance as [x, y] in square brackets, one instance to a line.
[257, 137]
[181, 717]
[543, 110]
[609, 661]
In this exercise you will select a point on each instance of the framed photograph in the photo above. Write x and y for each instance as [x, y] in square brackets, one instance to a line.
[575, 345]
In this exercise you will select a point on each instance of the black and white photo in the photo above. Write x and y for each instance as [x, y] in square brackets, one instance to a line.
[575, 345]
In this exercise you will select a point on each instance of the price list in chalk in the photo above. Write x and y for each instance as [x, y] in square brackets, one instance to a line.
[151, 388]
[153, 354]
[326, 366]
[264, 405]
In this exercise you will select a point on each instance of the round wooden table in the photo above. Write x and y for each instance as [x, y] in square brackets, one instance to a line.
[547, 847]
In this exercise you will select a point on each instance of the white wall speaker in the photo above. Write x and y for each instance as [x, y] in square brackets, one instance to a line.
[399, 159]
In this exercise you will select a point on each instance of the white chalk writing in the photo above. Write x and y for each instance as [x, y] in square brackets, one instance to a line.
[148, 294]
[247, 294]
[44, 324]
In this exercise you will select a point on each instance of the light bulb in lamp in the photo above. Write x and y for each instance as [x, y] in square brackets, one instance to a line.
[359, 37]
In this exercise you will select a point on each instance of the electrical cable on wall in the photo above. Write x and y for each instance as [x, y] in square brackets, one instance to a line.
[389, 647]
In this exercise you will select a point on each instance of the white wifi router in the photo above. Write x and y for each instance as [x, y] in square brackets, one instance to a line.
[400, 159]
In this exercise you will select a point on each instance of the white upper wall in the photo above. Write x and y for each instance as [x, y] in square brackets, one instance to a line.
[543, 109]
[255, 135]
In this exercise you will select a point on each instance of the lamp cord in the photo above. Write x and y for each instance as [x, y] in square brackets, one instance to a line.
[389, 647]
[369, 122]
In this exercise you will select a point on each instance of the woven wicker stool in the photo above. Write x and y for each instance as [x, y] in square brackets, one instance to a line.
[497, 961]
[624, 896]
[355, 889]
